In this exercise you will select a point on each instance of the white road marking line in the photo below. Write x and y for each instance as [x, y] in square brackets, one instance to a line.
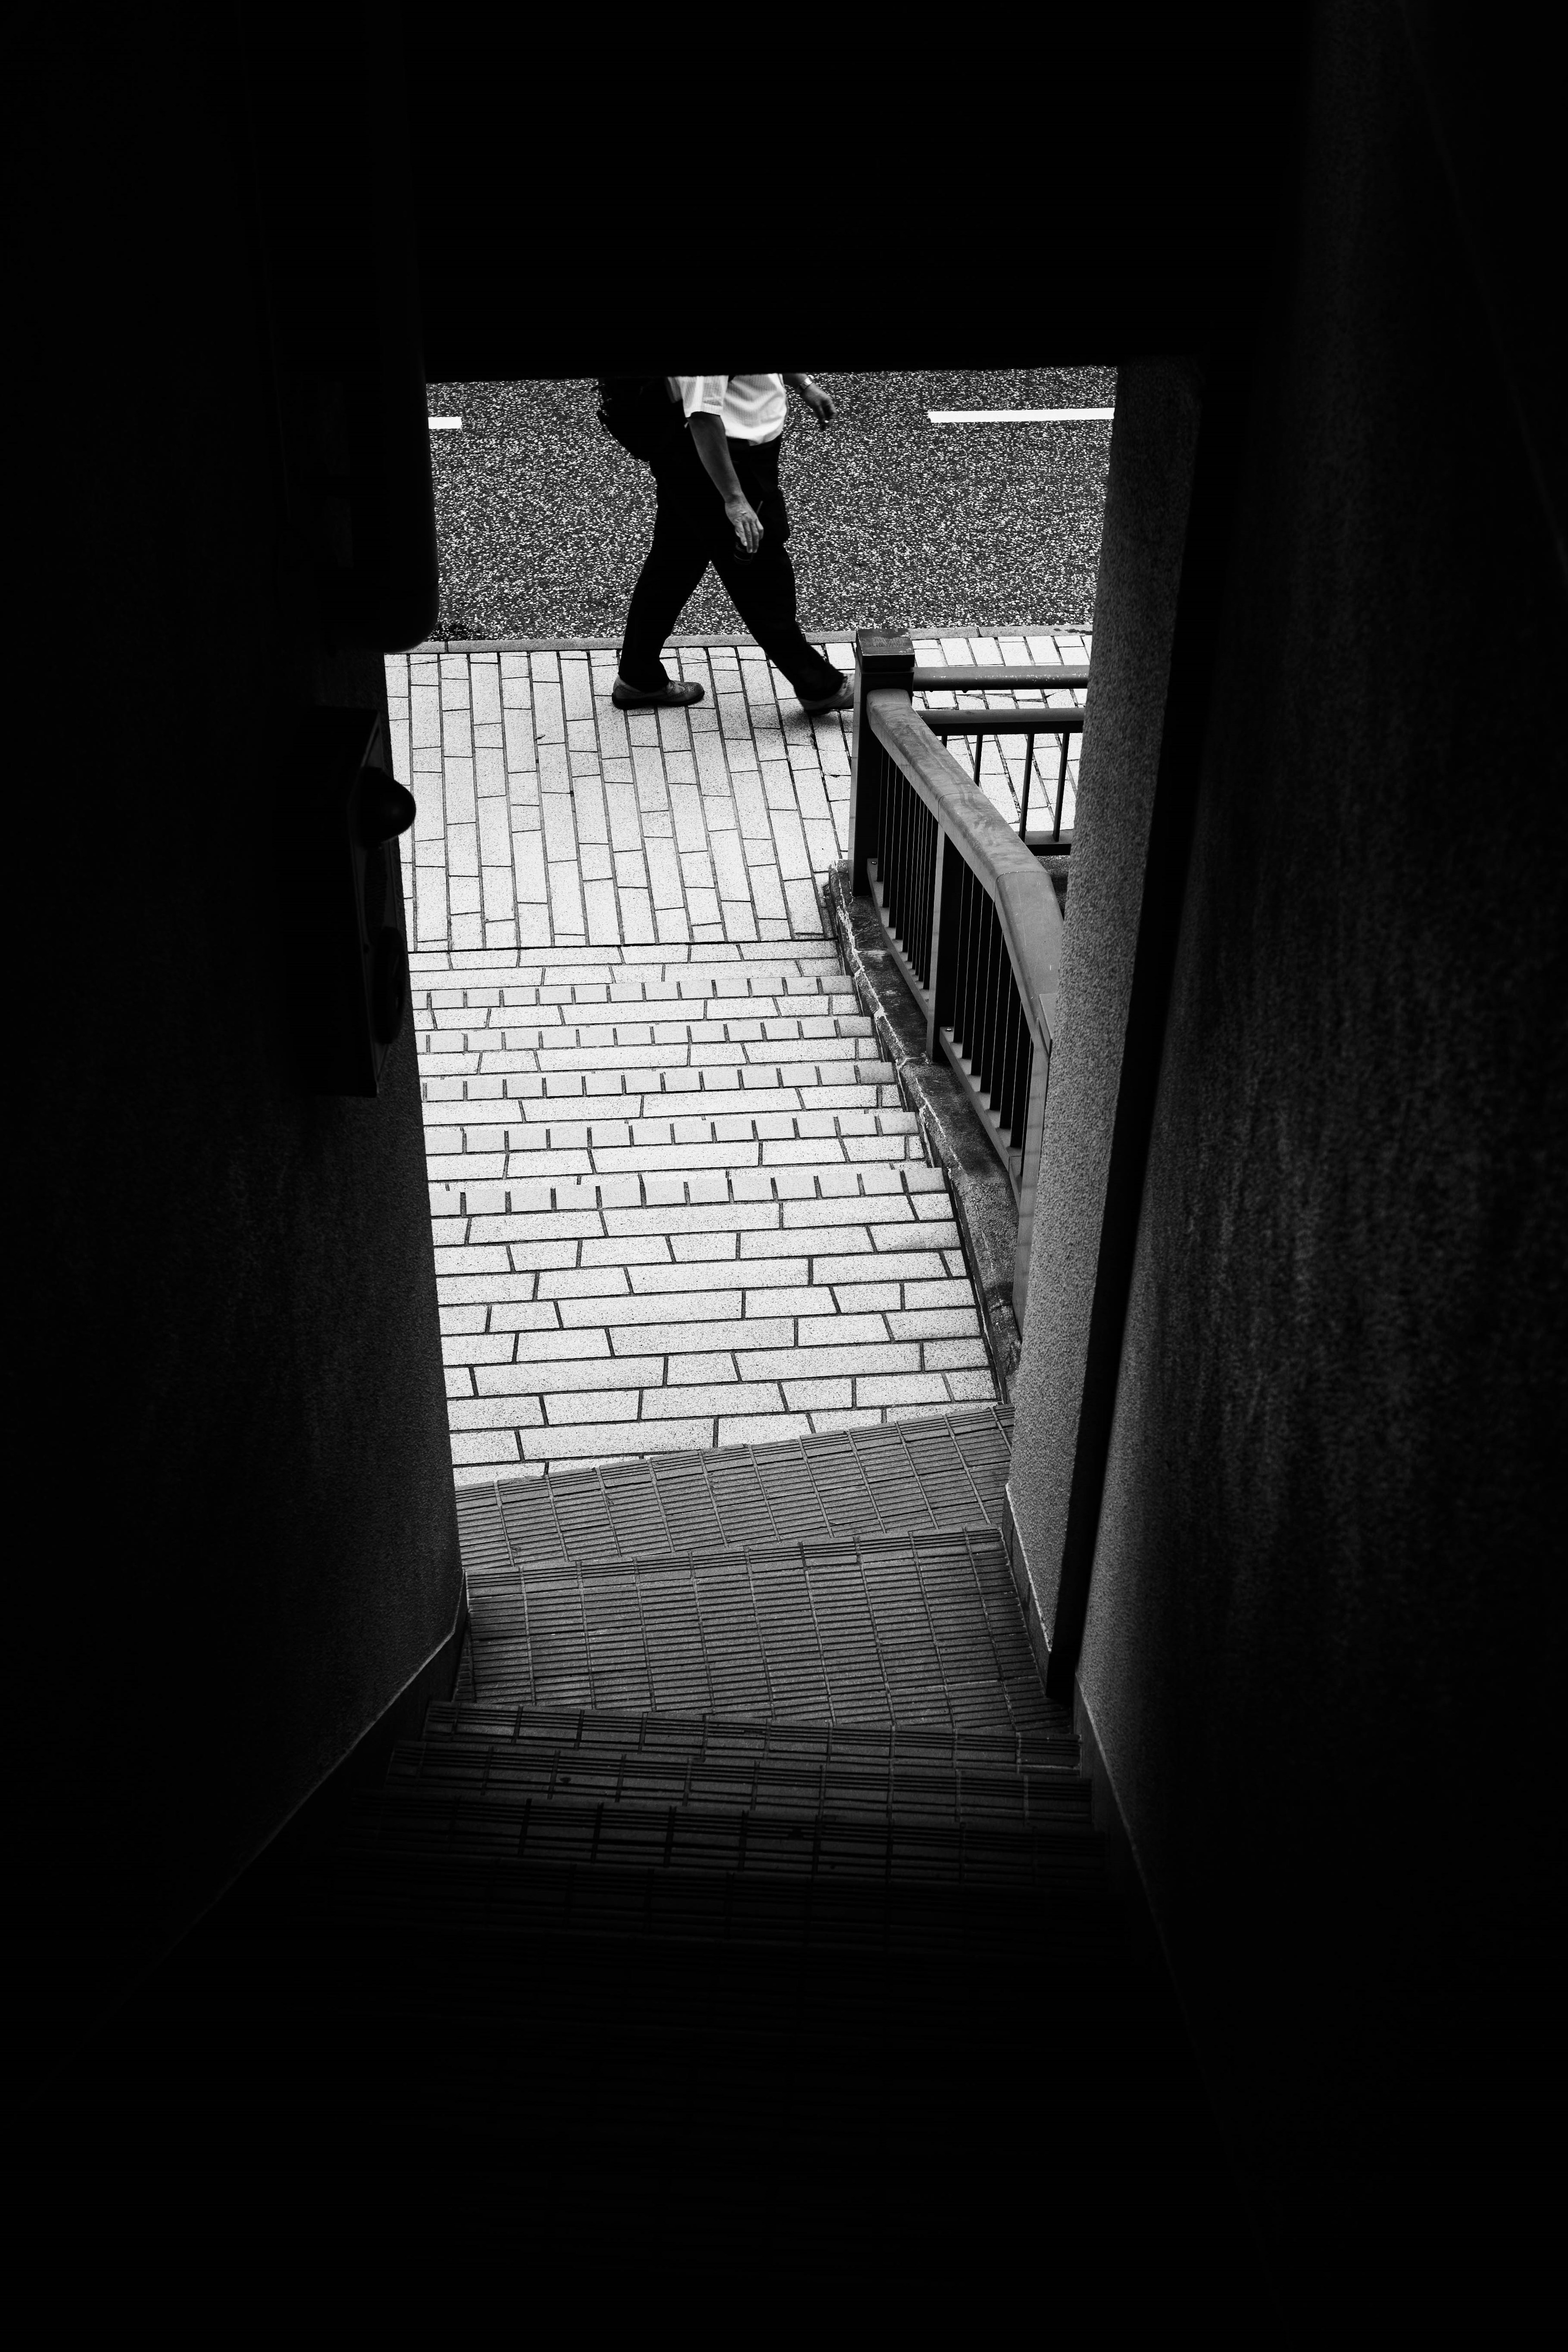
[446, 423]
[1020, 415]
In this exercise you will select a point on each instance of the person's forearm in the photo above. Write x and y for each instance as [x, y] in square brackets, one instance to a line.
[820, 403]
[708, 434]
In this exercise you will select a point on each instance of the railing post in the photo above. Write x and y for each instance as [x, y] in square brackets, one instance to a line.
[882, 658]
[1029, 1172]
[936, 940]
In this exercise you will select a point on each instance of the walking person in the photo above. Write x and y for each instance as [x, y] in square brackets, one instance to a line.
[715, 457]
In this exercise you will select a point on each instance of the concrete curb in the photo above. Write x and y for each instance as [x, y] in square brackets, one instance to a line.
[845, 637]
[983, 1205]
[607, 645]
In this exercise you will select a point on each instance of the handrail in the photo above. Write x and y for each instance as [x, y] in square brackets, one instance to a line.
[989, 678]
[1002, 722]
[1033, 721]
[1031, 919]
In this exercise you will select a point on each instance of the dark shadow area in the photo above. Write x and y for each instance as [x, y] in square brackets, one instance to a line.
[1312, 1055]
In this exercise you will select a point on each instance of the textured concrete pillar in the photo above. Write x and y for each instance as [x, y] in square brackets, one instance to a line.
[1151, 451]
[1324, 1645]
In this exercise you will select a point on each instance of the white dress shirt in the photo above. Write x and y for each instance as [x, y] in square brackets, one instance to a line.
[751, 407]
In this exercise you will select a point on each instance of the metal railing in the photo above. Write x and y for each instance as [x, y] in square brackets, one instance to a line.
[967, 910]
[1029, 723]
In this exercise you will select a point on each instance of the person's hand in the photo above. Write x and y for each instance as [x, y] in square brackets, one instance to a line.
[820, 404]
[743, 522]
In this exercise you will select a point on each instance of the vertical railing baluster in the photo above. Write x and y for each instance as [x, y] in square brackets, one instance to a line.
[916, 910]
[1000, 970]
[895, 807]
[1028, 770]
[1028, 1141]
[985, 999]
[918, 814]
[933, 934]
[946, 903]
[977, 984]
[1009, 1060]
[1015, 1080]
[920, 913]
[923, 893]
[1021, 1090]
[998, 963]
[1061, 785]
[955, 896]
[979, 748]
[893, 893]
[1014, 1050]
[912, 899]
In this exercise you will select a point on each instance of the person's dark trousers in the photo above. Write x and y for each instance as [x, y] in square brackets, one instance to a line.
[691, 532]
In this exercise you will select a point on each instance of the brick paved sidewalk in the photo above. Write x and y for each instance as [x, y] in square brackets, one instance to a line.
[678, 1199]
[548, 818]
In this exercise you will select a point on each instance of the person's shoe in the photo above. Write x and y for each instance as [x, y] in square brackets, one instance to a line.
[673, 695]
[841, 699]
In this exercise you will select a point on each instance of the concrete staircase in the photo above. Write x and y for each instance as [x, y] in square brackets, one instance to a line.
[743, 1914]
[710, 1899]
[836, 1743]
[739, 1922]
[740, 1925]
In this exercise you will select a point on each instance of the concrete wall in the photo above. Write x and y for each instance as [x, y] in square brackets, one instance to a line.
[1324, 1644]
[1152, 444]
[226, 1392]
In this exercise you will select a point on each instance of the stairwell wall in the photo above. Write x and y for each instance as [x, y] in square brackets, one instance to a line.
[1149, 484]
[1322, 1605]
[228, 1400]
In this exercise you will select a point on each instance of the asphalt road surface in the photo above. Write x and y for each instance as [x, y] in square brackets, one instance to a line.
[543, 520]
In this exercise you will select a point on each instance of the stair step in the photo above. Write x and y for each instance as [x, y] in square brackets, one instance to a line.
[919, 1628]
[446, 1770]
[412, 1880]
[946, 1471]
[872, 1747]
[770, 1829]
[462, 1869]
[401, 1907]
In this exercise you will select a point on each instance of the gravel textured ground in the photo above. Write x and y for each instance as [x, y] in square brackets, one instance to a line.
[544, 521]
